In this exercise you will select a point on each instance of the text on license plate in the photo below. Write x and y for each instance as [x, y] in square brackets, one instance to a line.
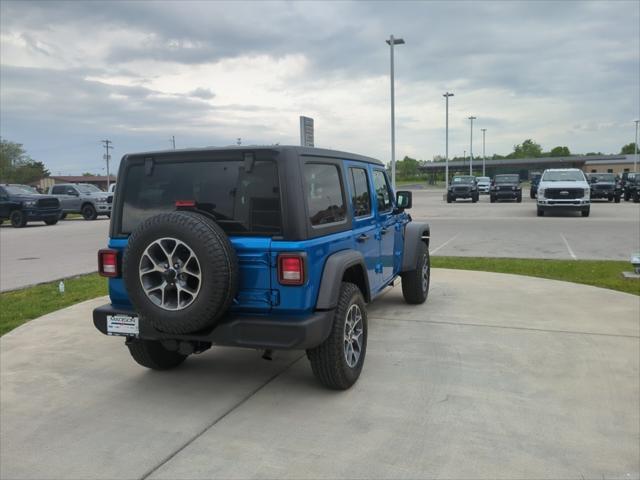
[122, 325]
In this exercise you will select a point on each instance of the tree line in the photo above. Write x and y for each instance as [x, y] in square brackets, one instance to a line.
[16, 166]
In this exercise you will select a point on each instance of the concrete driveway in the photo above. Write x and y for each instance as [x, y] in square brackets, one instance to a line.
[496, 376]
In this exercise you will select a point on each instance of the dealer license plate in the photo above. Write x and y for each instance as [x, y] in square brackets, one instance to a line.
[122, 325]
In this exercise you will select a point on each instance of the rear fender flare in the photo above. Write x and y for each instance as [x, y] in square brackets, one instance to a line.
[334, 269]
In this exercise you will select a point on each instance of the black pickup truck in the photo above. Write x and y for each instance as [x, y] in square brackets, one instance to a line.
[605, 185]
[632, 187]
[505, 187]
[20, 205]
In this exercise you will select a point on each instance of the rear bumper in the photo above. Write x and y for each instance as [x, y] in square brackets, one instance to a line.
[240, 331]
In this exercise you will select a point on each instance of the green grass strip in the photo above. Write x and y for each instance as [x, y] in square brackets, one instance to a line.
[20, 306]
[599, 273]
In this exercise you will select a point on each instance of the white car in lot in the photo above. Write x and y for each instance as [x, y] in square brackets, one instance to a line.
[564, 189]
[484, 184]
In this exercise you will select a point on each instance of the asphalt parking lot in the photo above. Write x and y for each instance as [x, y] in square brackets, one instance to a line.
[485, 380]
[39, 253]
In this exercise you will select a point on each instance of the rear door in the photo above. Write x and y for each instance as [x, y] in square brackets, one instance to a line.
[364, 222]
[386, 221]
[4, 203]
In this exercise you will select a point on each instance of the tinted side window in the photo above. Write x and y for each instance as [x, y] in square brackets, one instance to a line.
[383, 192]
[57, 190]
[360, 194]
[324, 193]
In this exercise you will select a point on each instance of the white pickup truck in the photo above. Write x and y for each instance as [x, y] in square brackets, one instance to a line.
[564, 189]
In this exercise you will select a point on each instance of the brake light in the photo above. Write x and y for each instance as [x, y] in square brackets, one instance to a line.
[108, 262]
[291, 269]
[185, 203]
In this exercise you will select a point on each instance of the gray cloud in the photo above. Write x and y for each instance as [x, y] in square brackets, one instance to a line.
[543, 54]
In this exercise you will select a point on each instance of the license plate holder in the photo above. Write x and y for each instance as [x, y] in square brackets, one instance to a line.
[123, 325]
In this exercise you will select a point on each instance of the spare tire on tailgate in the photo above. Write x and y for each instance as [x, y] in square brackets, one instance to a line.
[180, 271]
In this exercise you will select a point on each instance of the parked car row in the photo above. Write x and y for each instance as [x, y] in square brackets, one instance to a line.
[21, 204]
[502, 187]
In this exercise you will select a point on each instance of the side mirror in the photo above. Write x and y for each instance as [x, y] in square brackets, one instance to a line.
[404, 199]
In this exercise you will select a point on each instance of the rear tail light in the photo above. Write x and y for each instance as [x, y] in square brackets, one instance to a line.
[291, 269]
[108, 263]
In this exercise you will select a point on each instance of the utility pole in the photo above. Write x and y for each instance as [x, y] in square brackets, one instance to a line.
[635, 157]
[393, 41]
[446, 148]
[108, 145]
[239, 141]
[484, 130]
[472, 118]
[173, 141]
[464, 158]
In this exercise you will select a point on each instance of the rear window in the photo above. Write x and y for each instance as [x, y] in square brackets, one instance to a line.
[243, 197]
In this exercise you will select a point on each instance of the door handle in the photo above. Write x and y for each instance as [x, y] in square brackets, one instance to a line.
[362, 238]
[384, 230]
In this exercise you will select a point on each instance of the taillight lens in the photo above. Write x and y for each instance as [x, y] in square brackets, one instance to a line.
[291, 269]
[108, 263]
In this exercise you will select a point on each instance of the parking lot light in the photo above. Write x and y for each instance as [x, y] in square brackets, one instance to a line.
[471, 118]
[391, 42]
[446, 147]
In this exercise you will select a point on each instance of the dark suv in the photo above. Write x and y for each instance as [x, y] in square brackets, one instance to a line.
[632, 187]
[265, 248]
[463, 186]
[506, 187]
[604, 185]
[19, 204]
[535, 180]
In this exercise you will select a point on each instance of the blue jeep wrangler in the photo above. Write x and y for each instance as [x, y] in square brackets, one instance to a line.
[266, 248]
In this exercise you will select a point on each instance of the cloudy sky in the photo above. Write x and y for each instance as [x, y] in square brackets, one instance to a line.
[73, 73]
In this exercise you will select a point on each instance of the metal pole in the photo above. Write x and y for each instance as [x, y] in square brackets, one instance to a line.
[173, 141]
[107, 157]
[446, 148]
[635, 157]
[484, 130]
[472, 118]
[393, 41]
[393, 122]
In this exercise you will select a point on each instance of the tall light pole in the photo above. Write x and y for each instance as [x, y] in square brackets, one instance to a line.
[635, 157]
[446, 135]
[484, 130]
[391, 42]
[472, 118]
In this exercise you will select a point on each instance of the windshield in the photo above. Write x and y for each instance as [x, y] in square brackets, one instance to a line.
[563, 176]
[602, 177]
[484, 179]
[464, 179]
[19, 190]
[243, 199]
[87, 188]
[507, 178]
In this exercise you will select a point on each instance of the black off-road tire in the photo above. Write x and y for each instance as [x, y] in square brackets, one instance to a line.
[492, 199]
[449, 200]
[531, 194]
[151, 354]
[51, 221]
[636, 198]
[540, 212]
[89, 212]
[617, 199]
[474, 198]
[18, 219]
[585, 212]
[414, 289]
[519, 199]
[328, 361]
[626, 196]
[218, 265]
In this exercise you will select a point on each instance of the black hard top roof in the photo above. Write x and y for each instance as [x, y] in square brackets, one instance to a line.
[276, 149]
